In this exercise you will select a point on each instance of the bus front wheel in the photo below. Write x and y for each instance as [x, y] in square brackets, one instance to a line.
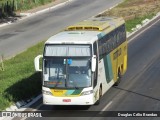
[100, 95]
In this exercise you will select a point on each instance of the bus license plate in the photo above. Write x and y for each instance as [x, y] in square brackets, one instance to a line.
[66, 100]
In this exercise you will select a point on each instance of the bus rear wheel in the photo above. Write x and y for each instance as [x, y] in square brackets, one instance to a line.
[119, 79]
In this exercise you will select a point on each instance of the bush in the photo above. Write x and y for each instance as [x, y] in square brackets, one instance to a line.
[6, 8]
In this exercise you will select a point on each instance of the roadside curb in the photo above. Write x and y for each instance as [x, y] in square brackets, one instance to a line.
[23, 108]
[27, 15]
[143, 24]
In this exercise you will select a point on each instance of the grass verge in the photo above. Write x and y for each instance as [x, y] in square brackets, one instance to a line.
[19, 81]
[134, 11]
[30, 4]
[138, 20]
[12, 7]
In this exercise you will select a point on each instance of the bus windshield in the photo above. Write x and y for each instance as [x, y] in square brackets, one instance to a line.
[67, 72]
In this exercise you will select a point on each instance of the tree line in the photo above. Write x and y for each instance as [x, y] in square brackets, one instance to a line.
[7, 8]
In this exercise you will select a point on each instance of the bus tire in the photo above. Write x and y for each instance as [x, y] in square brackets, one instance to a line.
[100, 95]
[118, 80]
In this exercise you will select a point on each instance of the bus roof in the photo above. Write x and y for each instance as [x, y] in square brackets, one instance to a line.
[87, 31]
[73, 37]
[97, 24]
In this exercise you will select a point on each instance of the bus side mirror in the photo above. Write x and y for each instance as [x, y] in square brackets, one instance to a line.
[94, 63]
[37, 63]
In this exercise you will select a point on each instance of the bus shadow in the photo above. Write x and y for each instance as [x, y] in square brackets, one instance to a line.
[136, 93]
[25, 89]
[71, 107]
[67, 111]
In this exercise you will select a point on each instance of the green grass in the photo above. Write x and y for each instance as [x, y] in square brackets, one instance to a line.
[19, 81]
[138, 20]
[21, 5]
[134, 11]
[29, 4]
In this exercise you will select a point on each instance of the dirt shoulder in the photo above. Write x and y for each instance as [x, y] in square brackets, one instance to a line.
[131, 9]
[134, 11]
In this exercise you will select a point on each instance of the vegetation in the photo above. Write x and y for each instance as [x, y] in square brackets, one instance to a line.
[19, 81]
[8, 7]
[21, 5]
[134, 11]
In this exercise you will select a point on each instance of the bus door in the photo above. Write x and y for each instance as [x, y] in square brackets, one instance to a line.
[95, 76]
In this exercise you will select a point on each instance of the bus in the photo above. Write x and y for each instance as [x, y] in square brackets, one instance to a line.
[82, 62]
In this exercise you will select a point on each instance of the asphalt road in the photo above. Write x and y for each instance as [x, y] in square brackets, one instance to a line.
[138, 90]
[17, 37]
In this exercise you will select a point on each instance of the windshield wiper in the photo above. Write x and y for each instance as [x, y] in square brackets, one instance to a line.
[74, 84]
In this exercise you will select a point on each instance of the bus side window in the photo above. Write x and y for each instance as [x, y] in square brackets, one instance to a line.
[118, 37]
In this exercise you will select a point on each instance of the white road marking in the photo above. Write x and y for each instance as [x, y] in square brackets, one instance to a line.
[106, 107]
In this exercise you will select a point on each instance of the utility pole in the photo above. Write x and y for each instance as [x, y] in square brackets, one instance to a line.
[2, 64]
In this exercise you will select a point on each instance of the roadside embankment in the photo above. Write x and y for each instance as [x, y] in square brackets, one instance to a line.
[134, 12]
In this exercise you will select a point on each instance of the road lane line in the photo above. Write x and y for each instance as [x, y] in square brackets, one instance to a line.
[106, 107]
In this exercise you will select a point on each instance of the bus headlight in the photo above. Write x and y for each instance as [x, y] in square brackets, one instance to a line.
[46, 92]
[87, 92]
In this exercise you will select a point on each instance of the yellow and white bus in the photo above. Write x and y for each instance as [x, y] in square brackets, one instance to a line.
[82, 62]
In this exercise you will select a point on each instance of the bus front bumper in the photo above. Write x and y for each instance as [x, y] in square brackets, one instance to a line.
[79, 100]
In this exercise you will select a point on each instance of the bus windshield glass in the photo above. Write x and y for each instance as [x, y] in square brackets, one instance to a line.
[67, 72]
[67, 50]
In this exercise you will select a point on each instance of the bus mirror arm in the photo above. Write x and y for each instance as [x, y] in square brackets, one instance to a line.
[37, 64]
[93, 63]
